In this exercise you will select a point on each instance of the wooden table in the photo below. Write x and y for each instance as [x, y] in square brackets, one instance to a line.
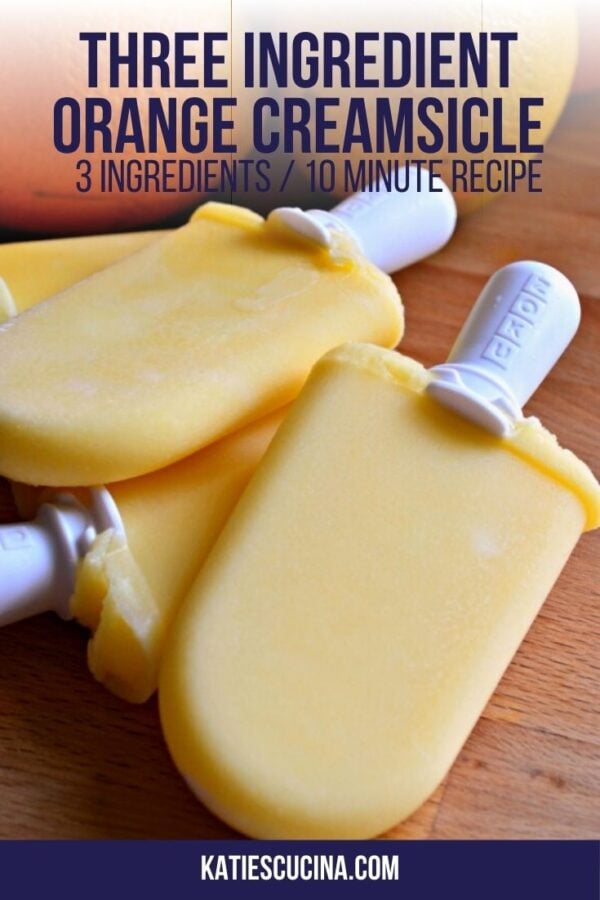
[76, 762]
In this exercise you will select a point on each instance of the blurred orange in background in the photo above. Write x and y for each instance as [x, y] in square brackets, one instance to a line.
[41, 60]
[542, 64]
[587, 73]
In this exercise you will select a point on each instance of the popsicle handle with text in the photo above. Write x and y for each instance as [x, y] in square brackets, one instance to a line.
[523, 321]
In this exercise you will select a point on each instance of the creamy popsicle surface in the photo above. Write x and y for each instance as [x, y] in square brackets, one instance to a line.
[194, 336]
[363, 601]
[129, 584]
[34, 270]
[129, 589]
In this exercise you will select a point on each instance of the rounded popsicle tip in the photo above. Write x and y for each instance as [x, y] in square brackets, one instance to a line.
[534, 277]
[522, 322]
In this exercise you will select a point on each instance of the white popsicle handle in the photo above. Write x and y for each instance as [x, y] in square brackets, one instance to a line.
[398, 228]
[38, 560]
[394, 229]
[522, 322]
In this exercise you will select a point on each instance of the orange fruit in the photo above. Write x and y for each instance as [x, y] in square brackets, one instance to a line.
[43, 60]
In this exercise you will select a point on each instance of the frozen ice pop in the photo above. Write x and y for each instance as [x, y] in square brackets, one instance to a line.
[31, 271]
[121, 560]
[202, 332]
[34, 270]
[377, 576]
[125, 583]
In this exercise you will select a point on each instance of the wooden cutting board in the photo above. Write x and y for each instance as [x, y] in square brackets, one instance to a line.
[76, 762]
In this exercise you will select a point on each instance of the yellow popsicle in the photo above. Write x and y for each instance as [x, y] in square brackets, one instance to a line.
[34, 270]
[198, 334]
[127, 592]
[31, 271]
[363, 601]
[128, 588]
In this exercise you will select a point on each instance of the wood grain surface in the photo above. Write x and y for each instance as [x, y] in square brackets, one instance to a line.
[75, 762]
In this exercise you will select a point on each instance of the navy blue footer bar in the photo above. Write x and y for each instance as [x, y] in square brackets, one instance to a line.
[419, 870]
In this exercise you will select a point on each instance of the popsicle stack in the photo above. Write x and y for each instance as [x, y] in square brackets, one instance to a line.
[195, 337]
[152, 532]
[328, 633]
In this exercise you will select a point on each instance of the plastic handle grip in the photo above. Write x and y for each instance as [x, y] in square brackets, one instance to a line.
[27, 567]
[38, 560]
[399, 227]
[522, 322]
[393, 229]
